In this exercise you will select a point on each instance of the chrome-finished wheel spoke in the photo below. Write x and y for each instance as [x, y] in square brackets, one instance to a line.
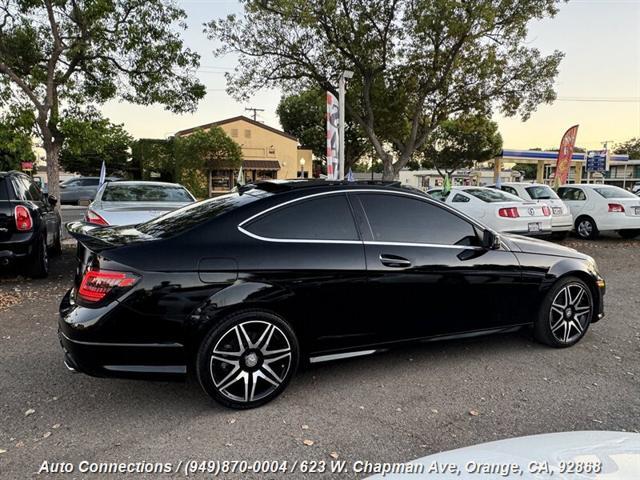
[557, 325]
[577, 325]
[224, 353]
[265, 338]
[566, 299]
[578, 297]
[243, 338]
[267, 374]
[229, 380]
[558, 310]
[567, 331]
[220, 358]
[249, 386]
[269, 355]
[582, 310]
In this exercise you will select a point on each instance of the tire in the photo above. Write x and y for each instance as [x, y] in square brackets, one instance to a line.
[565, 313]
[629, 234]
[586, 228]
[56, 249]
[247, 359]
[38, 266]
[559, 235]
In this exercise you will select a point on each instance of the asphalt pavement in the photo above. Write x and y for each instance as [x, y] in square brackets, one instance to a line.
[393, 407]
[70, 213]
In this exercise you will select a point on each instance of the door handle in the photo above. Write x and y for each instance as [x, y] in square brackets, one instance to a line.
[394, 261]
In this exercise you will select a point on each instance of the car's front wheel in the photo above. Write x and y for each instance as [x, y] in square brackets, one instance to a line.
[565, 314]
[247, 359]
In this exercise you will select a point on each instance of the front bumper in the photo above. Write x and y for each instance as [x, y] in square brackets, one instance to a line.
[79, 332]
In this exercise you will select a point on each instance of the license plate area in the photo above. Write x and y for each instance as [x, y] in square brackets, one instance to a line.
[557, 211]
[636, 210]
[534, 227]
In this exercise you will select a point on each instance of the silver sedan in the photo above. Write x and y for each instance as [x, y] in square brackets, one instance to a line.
[134, 202]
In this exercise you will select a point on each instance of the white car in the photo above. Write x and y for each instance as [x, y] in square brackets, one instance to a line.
[561, 218]
[499, 210]
[134, 202]
[596, 208]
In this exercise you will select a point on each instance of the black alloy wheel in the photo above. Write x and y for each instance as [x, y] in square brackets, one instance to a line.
[38, 266]
[565, 314]
[248, 359]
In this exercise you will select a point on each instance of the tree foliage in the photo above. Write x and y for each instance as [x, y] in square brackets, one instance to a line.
[91, 139]
[459, 142]
[303, 115]
[16, 145]
[630, 147]
[152, 155]
[67, 52]
[202, 151]
[416, 63]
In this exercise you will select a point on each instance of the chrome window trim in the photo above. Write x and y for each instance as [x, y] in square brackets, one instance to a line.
[435, 203]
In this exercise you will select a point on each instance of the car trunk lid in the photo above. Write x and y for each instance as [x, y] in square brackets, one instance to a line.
[133, 213]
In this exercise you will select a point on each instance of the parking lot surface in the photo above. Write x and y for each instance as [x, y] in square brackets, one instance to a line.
[394, 406]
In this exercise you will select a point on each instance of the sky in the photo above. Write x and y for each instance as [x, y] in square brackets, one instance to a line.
[598, 85]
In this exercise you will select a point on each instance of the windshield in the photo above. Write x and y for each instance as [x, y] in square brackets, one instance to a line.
[191, 215]
[490, 195]
[145, 193]
[541, 192]
[614, 192]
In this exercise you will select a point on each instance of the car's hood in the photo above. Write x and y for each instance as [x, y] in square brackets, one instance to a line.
[542, 247]
[536, 456]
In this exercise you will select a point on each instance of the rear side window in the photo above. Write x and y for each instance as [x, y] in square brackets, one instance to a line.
[327, 217]
[508, 189]
[185, 218]
[541, 192]
[569, 193]
[490, 195]
[459, 198]
[395, 218]
[614, 192]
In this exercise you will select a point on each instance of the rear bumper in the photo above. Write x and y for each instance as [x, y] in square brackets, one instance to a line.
[18, 247]
[618, 221]
[562, 223]
[85, 353]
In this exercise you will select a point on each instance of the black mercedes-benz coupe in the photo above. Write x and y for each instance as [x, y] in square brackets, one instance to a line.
[241, 288]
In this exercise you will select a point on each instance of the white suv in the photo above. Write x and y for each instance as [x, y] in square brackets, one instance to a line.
[561, 218]
[597, 207]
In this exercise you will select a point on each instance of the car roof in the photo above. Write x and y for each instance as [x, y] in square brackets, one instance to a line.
[305, 186]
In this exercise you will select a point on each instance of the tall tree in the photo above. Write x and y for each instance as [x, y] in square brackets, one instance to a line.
[459, 142]
[416, 62]
[57, 52]
[630, 147]
[16, 144]
[90, 139]
[303, 115]
[202, 151]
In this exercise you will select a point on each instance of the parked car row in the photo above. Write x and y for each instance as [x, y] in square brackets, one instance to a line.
[535, 209]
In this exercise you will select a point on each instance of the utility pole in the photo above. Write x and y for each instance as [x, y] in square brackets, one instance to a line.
[255, 112]
[342, 105]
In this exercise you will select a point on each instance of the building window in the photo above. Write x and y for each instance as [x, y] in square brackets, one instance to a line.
[247, 133]
[234, 132]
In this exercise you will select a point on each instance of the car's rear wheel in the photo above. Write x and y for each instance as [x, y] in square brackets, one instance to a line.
[248, 359]
[630, 233]
[57, 242]
[565, 314]
[38, 266]
[586, 228]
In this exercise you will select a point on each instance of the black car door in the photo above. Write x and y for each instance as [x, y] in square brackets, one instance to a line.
[311, 248]
[428, 274]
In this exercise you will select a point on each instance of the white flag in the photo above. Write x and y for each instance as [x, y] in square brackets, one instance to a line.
[103, 173]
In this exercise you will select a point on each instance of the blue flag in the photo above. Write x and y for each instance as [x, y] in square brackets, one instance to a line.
[350, 177]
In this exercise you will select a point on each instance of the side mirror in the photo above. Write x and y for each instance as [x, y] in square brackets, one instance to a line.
[62, 185]
[53, 200]
[490, 240]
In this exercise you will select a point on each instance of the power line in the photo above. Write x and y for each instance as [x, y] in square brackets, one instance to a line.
[255, 112]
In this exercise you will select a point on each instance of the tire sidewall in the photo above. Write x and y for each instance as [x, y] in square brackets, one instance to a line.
[216, 332]
[542, 327]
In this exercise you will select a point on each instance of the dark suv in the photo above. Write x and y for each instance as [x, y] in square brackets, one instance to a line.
[30, 227]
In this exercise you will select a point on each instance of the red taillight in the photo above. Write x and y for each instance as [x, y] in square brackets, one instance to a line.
[616, 208]
[93, 217]
[511, 212]
[546, 211]
[96, 284]
[24, 222]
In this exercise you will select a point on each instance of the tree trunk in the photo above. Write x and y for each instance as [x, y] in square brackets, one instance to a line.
[388, 173]
[52, 150]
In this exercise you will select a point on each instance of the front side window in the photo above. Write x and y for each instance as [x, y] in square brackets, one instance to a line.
[569, 193]
[327, 217]
[403, 219]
